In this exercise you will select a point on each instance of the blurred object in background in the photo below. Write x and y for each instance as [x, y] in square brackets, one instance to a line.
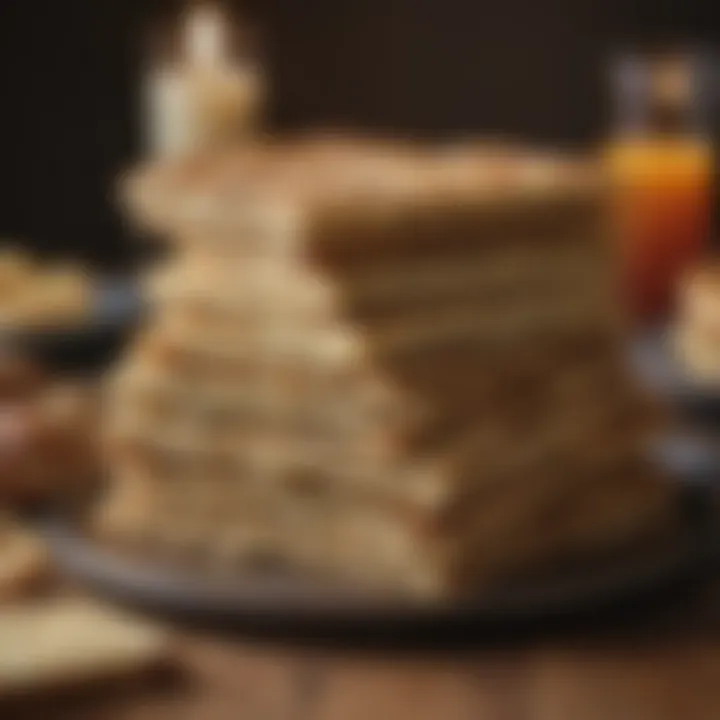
[40, 295]
[203, 89]
[47, 435]
[63, 314]
[697, 330]
[661, 164]
[24, 566]
[19, 378]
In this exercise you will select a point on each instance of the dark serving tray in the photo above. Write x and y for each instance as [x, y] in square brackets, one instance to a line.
[287, 604]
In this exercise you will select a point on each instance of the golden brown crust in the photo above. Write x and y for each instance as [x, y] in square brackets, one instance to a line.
[368, 181]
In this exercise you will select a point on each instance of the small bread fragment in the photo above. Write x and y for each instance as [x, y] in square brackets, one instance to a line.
[15, 269]
[35, 295]
[55, 643]
[696, 336]
[23, 562]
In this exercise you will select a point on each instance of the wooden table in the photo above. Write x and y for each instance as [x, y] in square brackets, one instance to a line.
[667, 669]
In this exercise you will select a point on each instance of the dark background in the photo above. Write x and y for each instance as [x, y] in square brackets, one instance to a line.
[531, 68]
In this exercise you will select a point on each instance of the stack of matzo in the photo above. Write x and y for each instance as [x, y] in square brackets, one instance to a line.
[391, 364]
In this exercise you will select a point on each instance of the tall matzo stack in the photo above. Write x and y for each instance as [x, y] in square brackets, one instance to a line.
[389, 364]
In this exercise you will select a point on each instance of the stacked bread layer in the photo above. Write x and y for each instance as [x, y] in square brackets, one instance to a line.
[420, 390]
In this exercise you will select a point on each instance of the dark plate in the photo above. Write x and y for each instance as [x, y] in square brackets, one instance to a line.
[663, 374]
[89, 346]
[278, 602]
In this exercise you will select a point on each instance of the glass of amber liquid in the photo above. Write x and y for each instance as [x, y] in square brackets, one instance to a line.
[661, 166]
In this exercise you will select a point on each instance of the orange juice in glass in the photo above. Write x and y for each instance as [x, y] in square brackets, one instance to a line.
[661, 167]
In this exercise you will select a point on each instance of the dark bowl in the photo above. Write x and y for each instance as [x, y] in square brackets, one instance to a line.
[91, 345]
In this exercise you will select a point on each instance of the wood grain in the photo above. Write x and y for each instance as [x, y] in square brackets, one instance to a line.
[668, 669]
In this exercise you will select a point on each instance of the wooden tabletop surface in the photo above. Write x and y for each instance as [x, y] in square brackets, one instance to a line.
[665, 667]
